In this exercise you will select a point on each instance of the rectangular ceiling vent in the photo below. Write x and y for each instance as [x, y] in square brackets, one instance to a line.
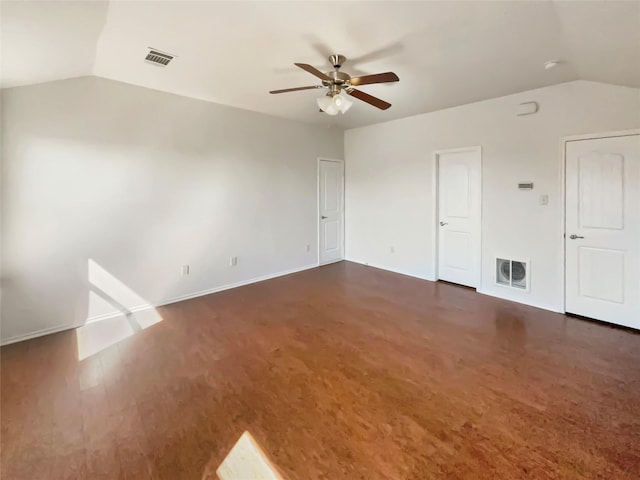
[158, 58]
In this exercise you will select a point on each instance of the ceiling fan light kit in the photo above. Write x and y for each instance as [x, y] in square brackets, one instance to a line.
[332, 104]
[340, 85]
[342, 102]
[326, 105]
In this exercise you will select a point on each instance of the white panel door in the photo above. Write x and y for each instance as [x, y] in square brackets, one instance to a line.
[331, 201]
[459, 196]
[602, 232]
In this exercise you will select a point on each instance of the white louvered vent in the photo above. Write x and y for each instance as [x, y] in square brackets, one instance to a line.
[158, 58]
[513, 273]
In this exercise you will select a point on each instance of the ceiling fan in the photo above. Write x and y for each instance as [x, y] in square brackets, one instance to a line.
[339, 83]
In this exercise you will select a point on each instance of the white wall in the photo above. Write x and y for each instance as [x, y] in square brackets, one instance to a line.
[389, 184]
[133, 183]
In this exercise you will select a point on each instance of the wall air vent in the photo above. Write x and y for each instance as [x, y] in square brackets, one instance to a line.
[158, 58]
[513, 273]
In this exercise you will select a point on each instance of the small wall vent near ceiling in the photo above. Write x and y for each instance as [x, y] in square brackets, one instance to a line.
[527, 108]
[158, 58]
[513, 273]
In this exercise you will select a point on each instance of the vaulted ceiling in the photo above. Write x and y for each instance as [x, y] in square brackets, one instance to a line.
[445, 53]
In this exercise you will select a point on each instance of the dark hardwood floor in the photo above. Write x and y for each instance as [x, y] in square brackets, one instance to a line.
[341, 372]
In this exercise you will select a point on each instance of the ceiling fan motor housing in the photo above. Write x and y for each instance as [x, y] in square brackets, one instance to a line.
[338, 79]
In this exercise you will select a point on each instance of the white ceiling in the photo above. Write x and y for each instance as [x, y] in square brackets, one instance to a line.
[445, 53]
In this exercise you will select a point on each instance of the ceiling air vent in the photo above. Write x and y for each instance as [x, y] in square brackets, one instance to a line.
[158, 58]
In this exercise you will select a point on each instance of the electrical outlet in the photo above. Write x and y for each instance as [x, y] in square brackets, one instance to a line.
[544, 199]
[308, 247]
[184, 270]
[233, 261]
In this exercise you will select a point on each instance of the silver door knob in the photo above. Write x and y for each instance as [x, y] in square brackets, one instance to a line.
[442, 224]
[574, 236]
[323, 217]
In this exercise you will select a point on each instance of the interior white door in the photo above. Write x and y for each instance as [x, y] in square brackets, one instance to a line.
[602, 231]
[459, 210]
[331, 201]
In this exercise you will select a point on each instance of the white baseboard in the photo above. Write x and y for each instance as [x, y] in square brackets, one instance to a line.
[331, 261]
[229, 286]
[105, 316]
[479, 290]
[37, 333]
[523, 302]
[180, 298]
[401, 272]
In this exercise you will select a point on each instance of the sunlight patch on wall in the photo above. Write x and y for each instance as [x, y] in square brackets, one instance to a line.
[117, 295]
[115, 312]
[98, 308]
[246, 461]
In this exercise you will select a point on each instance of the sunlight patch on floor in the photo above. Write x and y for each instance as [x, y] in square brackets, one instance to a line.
[95, 337]
[246, 461]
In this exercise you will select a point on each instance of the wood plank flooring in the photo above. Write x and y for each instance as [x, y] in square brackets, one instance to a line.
[341, 372]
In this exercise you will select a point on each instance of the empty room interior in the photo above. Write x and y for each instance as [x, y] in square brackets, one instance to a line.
[289, 240]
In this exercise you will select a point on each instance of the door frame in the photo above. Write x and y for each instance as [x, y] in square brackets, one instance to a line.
[435, 210]
[563, 195]
[327, 159]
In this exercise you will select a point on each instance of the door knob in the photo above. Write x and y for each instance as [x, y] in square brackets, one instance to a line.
[442, 224]
[323, 217]
[574, 236]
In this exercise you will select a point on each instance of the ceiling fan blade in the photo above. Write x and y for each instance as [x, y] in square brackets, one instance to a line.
[285, 90]
[370, 99]
[376, 78]
[313, 71]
